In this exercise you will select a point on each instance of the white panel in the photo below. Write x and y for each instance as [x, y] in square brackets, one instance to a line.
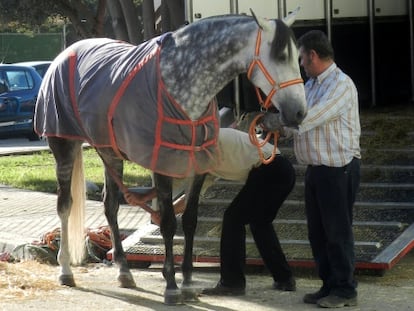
[309, 9]
[389, 8]
[350, 8]
[262, 8]
[206, 8]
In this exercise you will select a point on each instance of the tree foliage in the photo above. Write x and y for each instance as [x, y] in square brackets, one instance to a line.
[128, 20]
[86, 16]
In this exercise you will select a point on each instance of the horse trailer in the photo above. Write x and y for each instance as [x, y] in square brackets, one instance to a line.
[372, 39]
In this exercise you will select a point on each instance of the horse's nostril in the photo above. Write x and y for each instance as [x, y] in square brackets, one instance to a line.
[300, 115]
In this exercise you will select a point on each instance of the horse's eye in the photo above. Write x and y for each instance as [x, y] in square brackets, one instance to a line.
[282, 57]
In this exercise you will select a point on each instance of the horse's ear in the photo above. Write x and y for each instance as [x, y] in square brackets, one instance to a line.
[290, 19]
[261, 22]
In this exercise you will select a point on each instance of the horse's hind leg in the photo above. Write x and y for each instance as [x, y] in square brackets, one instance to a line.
[65, 153]
[189, 220]
[168, 227]
[114, 166]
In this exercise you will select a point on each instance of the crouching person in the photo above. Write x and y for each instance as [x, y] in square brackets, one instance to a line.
[266, 188]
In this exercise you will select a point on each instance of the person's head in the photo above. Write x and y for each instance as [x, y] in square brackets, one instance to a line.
[315, 52]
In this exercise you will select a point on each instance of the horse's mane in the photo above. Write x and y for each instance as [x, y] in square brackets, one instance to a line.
[282, 37]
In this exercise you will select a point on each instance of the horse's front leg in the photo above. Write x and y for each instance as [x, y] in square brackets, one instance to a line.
[168, 227]
[111, 204]
[189, 220]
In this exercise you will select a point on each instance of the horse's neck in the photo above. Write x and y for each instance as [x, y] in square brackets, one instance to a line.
[197, 62]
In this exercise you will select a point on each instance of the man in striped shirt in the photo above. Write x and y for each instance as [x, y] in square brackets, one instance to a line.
[328, 143]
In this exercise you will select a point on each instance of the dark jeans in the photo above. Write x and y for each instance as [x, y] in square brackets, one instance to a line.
[256, 204]
[329, 196]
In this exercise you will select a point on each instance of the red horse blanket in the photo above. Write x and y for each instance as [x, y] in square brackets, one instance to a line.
[110, 94]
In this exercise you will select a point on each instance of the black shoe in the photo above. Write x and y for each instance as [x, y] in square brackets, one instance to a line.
[314, 297]
[333, 301]
[288, 286]
[221, 290]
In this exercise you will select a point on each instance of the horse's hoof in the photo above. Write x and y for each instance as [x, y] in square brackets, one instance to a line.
[67, 280]
[189, 294]
[173, 297]
[126, 281]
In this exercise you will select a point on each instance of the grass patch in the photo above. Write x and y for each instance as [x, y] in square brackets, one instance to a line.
[381, 128]
[37, 171]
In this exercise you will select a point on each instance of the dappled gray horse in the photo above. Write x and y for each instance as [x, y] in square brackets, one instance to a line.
[153, 104]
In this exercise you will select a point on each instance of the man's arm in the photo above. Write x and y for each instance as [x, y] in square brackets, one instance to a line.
[330, 106]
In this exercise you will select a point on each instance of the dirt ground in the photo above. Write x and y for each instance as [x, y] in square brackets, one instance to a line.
[33, 286]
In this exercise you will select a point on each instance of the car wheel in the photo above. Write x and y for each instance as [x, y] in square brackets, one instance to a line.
[32, 136]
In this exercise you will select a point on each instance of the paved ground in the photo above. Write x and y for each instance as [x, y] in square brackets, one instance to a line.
[26, 215]
[98, 290]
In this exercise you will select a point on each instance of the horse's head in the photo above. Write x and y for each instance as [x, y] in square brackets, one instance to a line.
[275, 70]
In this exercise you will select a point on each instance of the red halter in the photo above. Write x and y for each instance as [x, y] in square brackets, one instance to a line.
[275, 86]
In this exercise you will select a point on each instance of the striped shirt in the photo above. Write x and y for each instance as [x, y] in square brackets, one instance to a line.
[329, 134]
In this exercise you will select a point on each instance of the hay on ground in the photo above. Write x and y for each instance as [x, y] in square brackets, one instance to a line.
[26, 279]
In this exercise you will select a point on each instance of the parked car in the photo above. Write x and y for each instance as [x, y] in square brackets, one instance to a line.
[41, 66]
[19, 86]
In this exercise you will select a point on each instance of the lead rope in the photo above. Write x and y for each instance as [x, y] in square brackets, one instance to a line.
[260, 143]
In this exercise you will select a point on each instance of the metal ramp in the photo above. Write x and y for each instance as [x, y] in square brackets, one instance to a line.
[383, 224]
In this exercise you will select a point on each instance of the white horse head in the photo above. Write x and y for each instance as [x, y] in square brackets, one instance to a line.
[275, 69]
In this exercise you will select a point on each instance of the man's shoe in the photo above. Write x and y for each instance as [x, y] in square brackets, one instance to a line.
[314, 297]
[333, 301]
[221, 290]
[288, 286]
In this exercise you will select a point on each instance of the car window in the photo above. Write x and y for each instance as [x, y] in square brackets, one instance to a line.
[19, 80]
[41, 69]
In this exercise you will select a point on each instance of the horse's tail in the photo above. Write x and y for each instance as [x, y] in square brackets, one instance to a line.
[76, 230]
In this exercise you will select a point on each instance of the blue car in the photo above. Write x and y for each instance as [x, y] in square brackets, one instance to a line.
[41, 66]
[19, 86]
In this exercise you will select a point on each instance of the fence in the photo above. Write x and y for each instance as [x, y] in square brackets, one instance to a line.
[26, 47]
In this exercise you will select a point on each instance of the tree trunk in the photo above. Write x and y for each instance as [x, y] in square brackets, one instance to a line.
[118, 20]
[131, 21]
[98, 28]
[172, 14]
[165, 17]
[149, 19]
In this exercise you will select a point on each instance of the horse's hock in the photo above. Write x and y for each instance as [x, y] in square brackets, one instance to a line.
[383, 213]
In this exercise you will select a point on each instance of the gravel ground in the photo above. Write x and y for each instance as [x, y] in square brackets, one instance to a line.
[33, 286]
